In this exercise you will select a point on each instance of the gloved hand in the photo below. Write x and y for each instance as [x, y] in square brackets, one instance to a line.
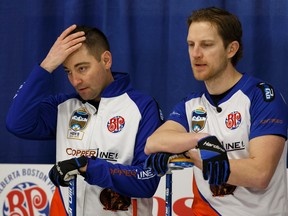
[216, 166]
[62, 172]
[158, 162]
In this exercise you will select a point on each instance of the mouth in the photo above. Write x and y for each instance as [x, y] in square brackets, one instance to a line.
[199, 66]
[197, 63]
[82, 89]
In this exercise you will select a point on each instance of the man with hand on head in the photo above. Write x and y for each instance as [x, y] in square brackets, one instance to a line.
[100, 130]
[235, 131]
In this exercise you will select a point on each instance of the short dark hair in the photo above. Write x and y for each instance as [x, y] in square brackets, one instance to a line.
[96, 41]
[228, 26]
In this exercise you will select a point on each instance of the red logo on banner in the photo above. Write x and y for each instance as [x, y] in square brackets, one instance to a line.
[26, 199]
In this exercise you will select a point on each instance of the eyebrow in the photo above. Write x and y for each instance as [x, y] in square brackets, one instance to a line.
[78, 64]
[205, 40]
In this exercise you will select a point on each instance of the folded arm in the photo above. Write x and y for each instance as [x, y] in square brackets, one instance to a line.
[132, 181]
[172, 137]
[257, 170]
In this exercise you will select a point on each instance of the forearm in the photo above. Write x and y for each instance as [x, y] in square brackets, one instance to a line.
[245, 173]
[132, 181]
[172, 141]
[258, 169]
[28, 110]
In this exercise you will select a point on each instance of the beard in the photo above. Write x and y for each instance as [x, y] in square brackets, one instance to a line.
[210, 73]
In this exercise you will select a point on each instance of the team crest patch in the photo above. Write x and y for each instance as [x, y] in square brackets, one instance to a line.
[267, 90]
[199, 117]
[116, 124]
[78, 122]
[233, 120]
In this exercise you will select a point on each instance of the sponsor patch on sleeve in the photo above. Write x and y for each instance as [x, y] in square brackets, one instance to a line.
[267, 91]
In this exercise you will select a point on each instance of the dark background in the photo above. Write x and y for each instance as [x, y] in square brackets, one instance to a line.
[148, 40]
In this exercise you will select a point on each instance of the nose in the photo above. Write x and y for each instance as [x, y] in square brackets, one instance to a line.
[195, 52]
[75, 80]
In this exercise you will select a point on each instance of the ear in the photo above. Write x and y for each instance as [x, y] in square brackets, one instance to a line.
[106, 58]
[232, 48]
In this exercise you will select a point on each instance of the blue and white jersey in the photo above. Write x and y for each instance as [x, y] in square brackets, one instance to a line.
[115, 133]
[251, 109]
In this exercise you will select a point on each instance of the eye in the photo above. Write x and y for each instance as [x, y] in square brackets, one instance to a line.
[82, 69]
[67, 72]
[190, 44]
[207, 44]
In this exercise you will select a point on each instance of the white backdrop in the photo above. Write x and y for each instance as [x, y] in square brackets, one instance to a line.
[182, 195]
[27, 190]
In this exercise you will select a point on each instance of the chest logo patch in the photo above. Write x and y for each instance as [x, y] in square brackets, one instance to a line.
[233, 120]
[199, 118]
[78, 122]
[116, 124]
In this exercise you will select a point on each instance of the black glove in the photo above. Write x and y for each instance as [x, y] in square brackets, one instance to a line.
[216, 166]
[62, 172]
[158, 162]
